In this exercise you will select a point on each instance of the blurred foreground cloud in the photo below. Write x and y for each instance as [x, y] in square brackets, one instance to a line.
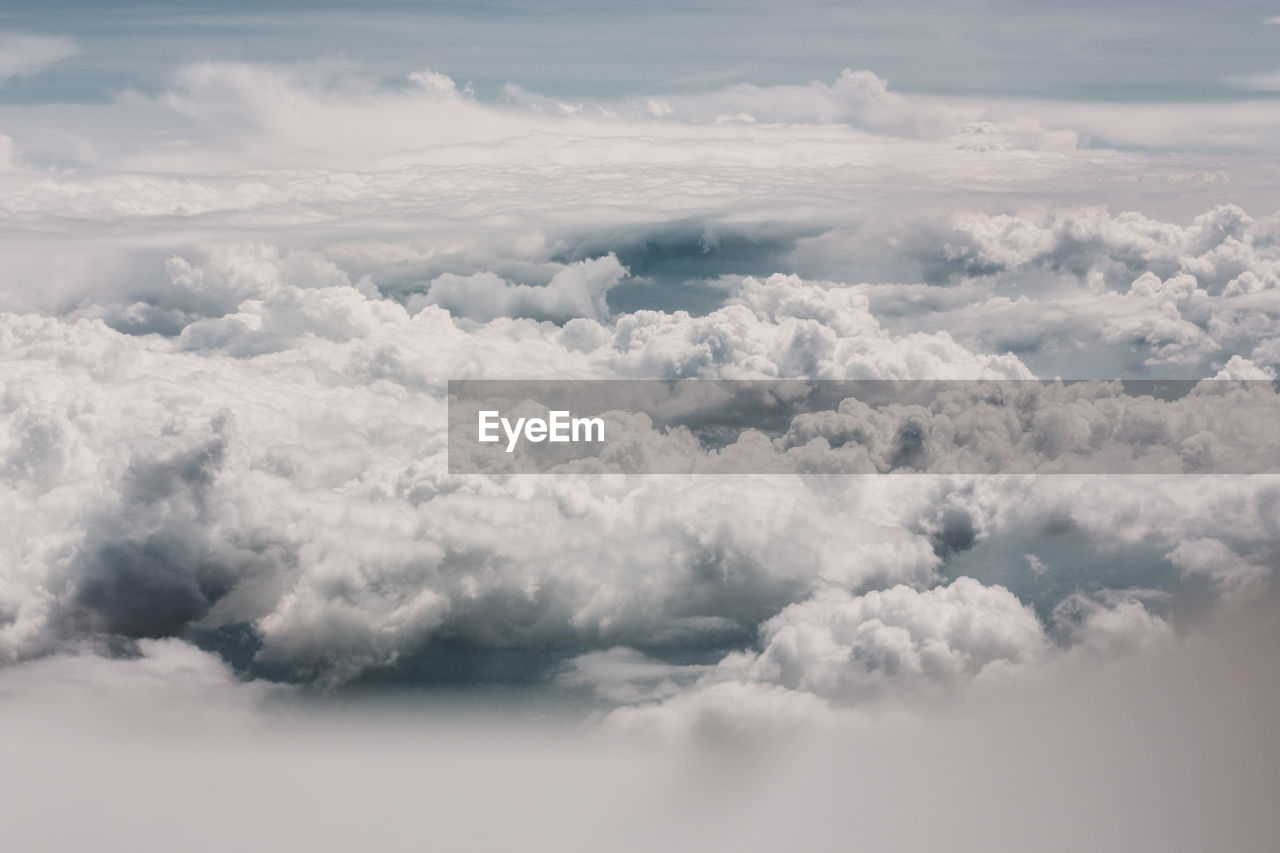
[1078, 749]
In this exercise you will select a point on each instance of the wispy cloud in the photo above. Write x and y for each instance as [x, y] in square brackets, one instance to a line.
[1266, 82]
[22, 53]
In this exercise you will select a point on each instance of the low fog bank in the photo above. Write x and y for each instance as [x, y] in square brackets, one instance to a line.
[1172, 749]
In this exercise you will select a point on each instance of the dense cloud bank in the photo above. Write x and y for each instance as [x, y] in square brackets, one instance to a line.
[225, 353]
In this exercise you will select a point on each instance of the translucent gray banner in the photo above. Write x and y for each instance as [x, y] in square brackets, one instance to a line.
[863, 427]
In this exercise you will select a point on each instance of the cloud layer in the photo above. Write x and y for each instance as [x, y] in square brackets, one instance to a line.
[231, 310]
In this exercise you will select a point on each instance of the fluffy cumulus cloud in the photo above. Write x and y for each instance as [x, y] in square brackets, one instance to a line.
[229, 324]
[841, 645]
[823, 660]
[578, 290]
[1118, 292]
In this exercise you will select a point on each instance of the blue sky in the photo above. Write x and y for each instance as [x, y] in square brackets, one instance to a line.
[1082, 51]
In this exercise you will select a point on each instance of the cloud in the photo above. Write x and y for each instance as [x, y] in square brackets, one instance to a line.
[229, 311]
[162, 558]
[1266, 82]
[1233, 576]
[419, 185]
[850, 647]
[233, 309]
[334, 532]
[579, 290]
[836, 660]
[624, 675]
[1217, 247]
[1151, 295]
[858, 98]
[1112, 626]
[1234, 125]
[315, 518]
[152, 685]
[22, 54]
[296, 775]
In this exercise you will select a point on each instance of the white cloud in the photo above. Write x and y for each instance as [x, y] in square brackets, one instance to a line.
[576, 291]
[1265, 82]
[624, 675]
[1118, 624]
[856, 647]
[228, 314]
[1233, 576]
[836, 661]
[1236, 125]
[157, 683]
[22, 54]
[317, 509]
[203, 433]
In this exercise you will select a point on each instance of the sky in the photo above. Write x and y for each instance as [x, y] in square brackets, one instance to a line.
[245, 247]
[1122, 51]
